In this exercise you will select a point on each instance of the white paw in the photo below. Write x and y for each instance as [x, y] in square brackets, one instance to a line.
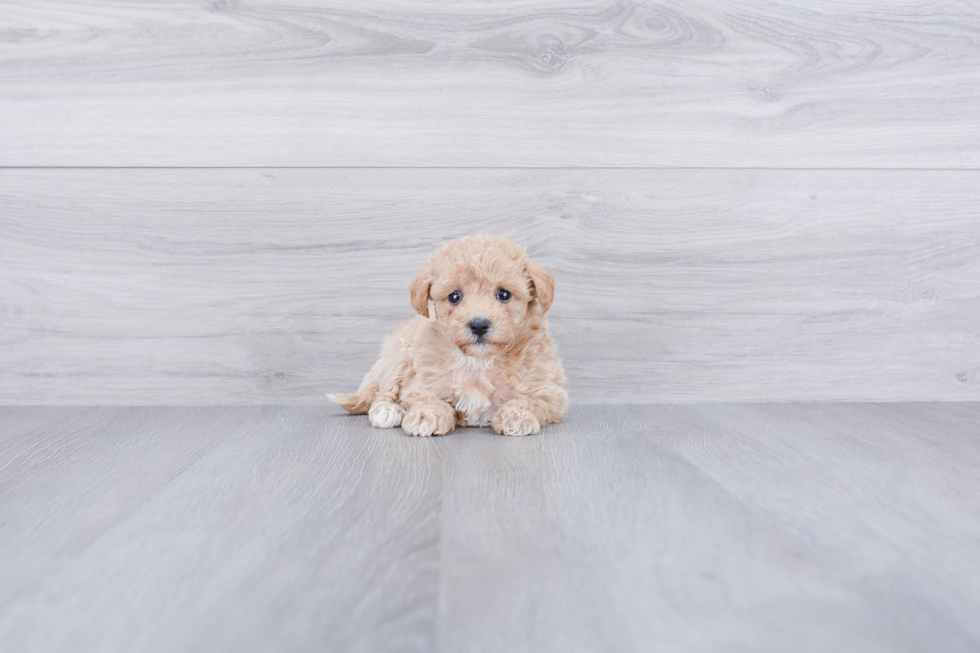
[385, 415]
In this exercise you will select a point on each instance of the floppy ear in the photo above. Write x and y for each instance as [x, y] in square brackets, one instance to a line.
[542, 283]
[420, 290]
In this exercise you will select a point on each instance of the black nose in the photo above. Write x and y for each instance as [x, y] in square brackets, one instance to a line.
[479, 326]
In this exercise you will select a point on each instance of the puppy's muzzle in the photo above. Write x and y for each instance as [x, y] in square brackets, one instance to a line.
[479, 326]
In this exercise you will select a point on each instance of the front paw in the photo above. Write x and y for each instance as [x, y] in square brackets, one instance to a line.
[515, 420]
[430, 419]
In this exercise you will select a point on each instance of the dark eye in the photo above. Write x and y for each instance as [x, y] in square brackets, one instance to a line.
[503, 295]
[455, 297]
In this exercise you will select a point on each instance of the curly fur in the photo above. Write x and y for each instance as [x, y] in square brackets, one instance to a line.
[434, 374]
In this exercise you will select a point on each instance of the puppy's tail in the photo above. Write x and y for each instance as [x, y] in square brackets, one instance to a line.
[356, 404]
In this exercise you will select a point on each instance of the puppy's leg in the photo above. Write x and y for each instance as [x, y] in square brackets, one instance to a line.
[526, 415]
[429, 415]
[381, 384]
[385, 412]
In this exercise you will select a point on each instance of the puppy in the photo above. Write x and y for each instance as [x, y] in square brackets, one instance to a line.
[482, 356]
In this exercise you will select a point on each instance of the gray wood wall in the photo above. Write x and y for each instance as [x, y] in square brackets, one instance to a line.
[223, 202]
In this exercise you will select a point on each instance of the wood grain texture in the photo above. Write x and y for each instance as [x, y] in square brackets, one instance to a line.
[718, 528]
[233, 529]
[629, 528]
[517, 83]
[276, 286]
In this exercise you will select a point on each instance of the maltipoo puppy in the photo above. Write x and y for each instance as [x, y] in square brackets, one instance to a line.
[482, 356]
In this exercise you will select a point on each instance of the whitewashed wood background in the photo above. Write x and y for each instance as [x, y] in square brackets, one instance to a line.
[223, 202]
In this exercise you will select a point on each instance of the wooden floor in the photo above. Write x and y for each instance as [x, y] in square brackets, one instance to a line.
[804, 527]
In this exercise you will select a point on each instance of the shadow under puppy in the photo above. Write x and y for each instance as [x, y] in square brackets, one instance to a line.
[483, 357]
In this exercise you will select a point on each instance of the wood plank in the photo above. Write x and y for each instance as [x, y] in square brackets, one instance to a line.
[516, 83]
[718, 528]
[276, 286]
[246, 529]
[698, 527]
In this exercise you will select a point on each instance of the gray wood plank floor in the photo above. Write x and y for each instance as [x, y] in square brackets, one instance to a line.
[794, 83]
[629, 528]
[275, 286]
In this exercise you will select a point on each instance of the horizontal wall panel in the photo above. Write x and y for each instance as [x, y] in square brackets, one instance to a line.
[513, 84]
[276, 286]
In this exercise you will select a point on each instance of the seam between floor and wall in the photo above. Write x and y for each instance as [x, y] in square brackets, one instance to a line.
[692, 168]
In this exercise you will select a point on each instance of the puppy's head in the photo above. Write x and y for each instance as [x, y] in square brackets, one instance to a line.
[485, 291]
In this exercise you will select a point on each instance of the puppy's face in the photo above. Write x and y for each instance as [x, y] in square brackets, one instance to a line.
[485, 293]
[481, 315]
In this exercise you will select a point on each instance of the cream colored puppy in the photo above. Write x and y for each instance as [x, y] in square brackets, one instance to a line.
[482, 357]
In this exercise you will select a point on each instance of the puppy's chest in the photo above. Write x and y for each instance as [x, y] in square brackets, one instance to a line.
[476, 387]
